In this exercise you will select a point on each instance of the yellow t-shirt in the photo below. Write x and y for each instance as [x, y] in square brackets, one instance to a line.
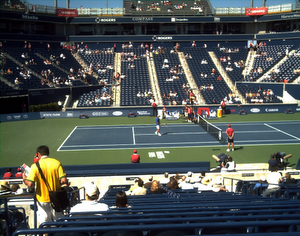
[53, 172]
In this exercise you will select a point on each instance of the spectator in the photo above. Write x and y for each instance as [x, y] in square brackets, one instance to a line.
[289, 179]
[173, 183]
[121, 199]
[139, 190]
[135, 157]
[56, 176]
[165, 180]
[156, 188]
[8, 174]
[148, 184]
[19, 173]
[90, 203]
[273, 179]
[260, 186]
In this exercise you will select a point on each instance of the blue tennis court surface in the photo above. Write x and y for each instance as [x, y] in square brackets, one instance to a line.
[178, 135]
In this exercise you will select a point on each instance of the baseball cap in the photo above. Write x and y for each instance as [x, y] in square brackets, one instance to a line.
[135, 151]
[263, 178]
[190, 173]
[229, 125]
[19, 169]
[91, 189]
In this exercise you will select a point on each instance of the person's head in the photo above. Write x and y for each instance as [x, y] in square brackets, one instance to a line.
[183, 178]
[177, 177]
[173, 184]
[155, 186]
[229, 125]
[121, 199]
[287, 175]
[151, 178]
[229, 158]
[166, 174]
[135, 151]
[272, 156]
[8, 170]
[202, 173]
[91, 191]
[139, 182]
[42, 150]
[19, 170]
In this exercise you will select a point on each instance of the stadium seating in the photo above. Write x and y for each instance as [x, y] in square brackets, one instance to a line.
[236, 55]
[286, 71]
[221, 90]
[136, 80]
[191, 214]
[274, 52]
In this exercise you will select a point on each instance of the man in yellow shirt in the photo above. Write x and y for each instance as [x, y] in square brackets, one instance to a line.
[56, 178]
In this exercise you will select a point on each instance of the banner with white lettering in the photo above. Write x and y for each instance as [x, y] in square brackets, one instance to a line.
[258, 11]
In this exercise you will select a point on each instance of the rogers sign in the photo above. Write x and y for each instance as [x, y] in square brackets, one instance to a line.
[259, 11]
[66, 12]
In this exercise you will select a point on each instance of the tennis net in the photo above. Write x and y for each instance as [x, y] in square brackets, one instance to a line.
[213, 130]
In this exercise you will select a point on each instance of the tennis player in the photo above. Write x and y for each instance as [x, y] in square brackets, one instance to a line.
[230, 134]
[157, 126]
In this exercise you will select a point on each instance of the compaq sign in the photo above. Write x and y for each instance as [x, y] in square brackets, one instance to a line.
[255, 110]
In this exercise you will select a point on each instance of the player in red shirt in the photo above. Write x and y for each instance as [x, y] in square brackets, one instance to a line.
[135, 158]
[230, 134]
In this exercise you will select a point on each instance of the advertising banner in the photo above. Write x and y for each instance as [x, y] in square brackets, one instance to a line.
[66, 12]
[259, 11]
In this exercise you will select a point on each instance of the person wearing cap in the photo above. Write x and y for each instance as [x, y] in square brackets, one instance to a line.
[135, 157]
[230, 134]
[157, 132]
[90, 204]
[19, 173]
[260, 186]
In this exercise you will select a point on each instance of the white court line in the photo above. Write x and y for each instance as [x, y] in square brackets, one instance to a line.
[171, 133]
[106, 127]
[133, 135]
[67, 138]
[282, 131]
[253, 141]
[255, 131]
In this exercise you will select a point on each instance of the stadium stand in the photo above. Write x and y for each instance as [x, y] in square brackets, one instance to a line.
[204, 76]
[135, 86]
[170, 78]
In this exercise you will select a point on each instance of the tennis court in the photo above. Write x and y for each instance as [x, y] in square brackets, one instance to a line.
[178, 135]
